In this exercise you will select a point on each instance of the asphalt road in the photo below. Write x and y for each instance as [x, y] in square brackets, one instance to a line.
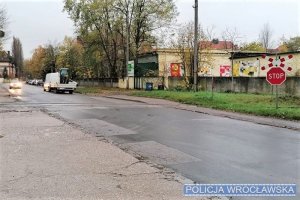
[204, 148]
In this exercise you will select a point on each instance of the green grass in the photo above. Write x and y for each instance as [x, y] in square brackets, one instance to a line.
[88, 90]
[96, 90]
[263, 105]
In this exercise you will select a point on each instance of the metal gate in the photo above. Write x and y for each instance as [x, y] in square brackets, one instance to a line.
[138, 83]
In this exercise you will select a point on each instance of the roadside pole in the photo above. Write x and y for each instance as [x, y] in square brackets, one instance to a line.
[127, 45]
[276, 97]
[196, 48]
[276, 74]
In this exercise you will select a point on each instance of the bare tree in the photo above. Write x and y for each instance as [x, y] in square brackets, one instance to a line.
[183, 42]
[3, 24]
[265, 36]
[17, 53]
[231, 38]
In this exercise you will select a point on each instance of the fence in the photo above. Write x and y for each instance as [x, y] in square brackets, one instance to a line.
[257, 85]
[103, 82]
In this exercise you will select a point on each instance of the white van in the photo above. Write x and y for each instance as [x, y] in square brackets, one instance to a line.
[59, 82]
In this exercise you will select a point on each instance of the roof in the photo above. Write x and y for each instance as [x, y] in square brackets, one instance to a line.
[218, 45]
[237, 55]
[4, 56]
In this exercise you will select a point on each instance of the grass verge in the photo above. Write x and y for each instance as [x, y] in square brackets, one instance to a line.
[98, 91]
[262, 105]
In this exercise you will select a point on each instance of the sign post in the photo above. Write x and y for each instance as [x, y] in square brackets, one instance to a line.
[276, 76]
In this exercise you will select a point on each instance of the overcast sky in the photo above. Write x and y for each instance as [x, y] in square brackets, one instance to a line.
[38, 22]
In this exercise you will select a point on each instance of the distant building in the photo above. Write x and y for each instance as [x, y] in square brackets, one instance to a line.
[217, 45]
[6, 63]
[161, 66]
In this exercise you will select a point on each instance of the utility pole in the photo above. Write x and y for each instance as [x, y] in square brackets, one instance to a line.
[196, 48]
[127, 44]
[232, 54]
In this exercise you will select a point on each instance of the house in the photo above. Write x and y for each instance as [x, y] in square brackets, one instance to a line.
[6, 66]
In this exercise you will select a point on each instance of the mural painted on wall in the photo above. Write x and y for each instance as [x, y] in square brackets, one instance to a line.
[246, 68]
[205, 71]
[225, 71]
[176, 70]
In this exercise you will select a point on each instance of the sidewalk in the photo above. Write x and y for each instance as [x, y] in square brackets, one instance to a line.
[3, 90]
[4, 94]
[294, 125]
[44, 158]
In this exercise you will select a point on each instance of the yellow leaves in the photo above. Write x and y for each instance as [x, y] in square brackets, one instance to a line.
[35, 64]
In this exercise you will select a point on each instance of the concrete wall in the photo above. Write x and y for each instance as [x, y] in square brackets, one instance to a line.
[243, 84]
[126, 83]
[102, 82]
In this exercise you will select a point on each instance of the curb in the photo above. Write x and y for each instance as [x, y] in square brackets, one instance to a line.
[124, 99]
[230, 115]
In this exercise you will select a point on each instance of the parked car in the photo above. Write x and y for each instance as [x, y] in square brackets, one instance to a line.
[30, 82]
[40, 82]
[15, 84]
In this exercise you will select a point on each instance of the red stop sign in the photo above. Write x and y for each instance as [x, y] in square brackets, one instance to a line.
[276, 76]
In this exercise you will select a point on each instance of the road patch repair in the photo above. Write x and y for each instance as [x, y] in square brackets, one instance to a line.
[45, 158]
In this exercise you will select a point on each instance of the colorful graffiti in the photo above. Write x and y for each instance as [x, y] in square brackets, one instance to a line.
[225, 71]
[205, 71]
[176, 70]
[246, 68]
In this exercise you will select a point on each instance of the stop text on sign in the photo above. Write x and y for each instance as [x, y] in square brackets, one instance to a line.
[276, 75]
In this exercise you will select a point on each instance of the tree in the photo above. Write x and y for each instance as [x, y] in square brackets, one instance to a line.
[233, 36]
[293, 44]
[3, 24]
[184, 44]
[49, 60]
[71, 56]
[252, 46]
[34, 66]
[265, 36]
[105, 25]
[17, 53]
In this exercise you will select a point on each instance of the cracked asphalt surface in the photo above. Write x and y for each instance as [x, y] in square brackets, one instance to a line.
[43, 157]
[203, 148]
